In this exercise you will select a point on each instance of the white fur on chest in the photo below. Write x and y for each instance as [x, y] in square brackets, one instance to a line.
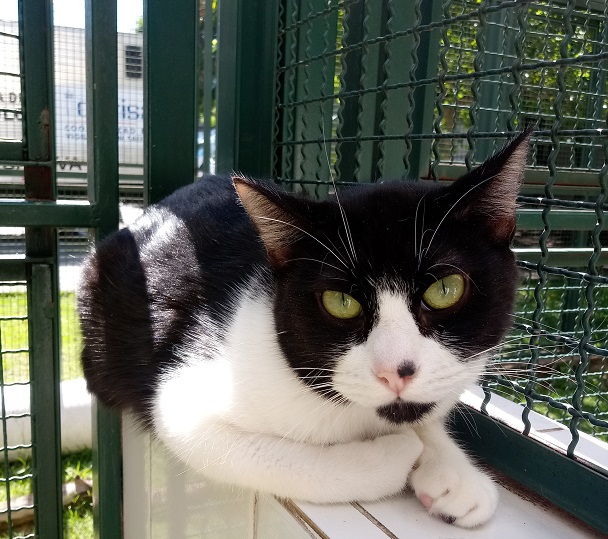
[245, 380]
[235, 411]
[247, 383]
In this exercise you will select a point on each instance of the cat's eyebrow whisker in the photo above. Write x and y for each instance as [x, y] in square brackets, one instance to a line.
[342, 212]
[352, 261]
[416, 225]
[303, 232]
[322, 262]
[336, 249]
[420, 253]
[456, 268]
[453, 206]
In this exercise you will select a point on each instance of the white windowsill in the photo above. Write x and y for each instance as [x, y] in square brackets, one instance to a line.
[162, 498]
[545, 430]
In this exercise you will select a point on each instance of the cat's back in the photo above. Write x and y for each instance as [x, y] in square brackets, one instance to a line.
[146, 285]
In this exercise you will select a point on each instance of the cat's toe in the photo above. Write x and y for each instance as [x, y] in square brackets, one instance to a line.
[466, 498]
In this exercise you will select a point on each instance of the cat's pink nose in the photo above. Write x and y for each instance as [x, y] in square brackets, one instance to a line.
[397, 380]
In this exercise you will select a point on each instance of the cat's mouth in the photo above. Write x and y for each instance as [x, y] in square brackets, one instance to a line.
[400, 411]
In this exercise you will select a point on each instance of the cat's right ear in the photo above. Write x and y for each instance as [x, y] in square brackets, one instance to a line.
[276, 226]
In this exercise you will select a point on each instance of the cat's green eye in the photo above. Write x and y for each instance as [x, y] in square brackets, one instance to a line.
[340, 305]
[445, 292]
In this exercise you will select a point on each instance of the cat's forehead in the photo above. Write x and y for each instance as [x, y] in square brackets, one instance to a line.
[394, 213]
[393, 232]
[393, 194]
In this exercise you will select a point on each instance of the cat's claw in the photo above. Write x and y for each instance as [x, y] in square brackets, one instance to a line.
[464, 496]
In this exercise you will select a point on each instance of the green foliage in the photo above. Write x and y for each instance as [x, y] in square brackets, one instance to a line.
[546, 92]
[77, 515]
[14, 334]
[549, 366]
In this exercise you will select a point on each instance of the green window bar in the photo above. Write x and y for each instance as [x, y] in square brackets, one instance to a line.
[37, 268]
[38, 212]
[369, 90]
[171, 122]
[102, 161]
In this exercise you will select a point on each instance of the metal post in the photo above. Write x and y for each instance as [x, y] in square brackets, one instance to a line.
[170, 96]
[102, 128]
[246, 86]
[42, 289]
[424, 96]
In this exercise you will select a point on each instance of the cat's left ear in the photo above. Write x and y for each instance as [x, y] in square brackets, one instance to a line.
[489, 191]
[277, 226]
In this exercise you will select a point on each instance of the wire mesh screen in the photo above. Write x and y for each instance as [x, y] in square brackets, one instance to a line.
[16, 477]
[70, 110]
[11, 113]
[10, 81]
[370, 89]
[16, 507]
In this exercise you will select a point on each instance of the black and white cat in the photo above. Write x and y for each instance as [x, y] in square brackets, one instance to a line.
[310, 349]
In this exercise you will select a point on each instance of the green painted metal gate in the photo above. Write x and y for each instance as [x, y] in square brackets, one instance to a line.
[170, 150]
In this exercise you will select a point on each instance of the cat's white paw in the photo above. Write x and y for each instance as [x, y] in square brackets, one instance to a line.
[457, 492]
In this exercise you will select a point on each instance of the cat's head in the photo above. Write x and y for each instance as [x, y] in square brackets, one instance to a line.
[391, 295]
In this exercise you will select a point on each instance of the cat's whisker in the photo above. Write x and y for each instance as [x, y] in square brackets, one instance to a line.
[546, 380]
[485, 180]
[456, 268]
[495, 347]
[420, 253]
[305, 233]
[468, 418]
[416, 226]
[347, 249]
[424, 230]
[322, 262]
[530, 325]
[324, 406]
[340, 207]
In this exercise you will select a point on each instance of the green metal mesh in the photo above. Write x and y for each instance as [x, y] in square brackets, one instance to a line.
[367, 90]
[16, 476]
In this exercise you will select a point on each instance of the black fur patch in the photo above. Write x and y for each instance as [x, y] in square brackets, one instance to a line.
[399, 411]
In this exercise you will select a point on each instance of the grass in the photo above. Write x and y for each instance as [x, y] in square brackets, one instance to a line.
[564, 305]
[77, 516]
[14, 335]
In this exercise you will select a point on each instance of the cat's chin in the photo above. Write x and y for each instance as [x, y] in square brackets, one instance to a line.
[399, 411]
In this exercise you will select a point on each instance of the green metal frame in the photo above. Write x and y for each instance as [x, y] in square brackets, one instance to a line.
[170, 96]
[247, 28]
[40, 261]
[545, 471]
[102, 122]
